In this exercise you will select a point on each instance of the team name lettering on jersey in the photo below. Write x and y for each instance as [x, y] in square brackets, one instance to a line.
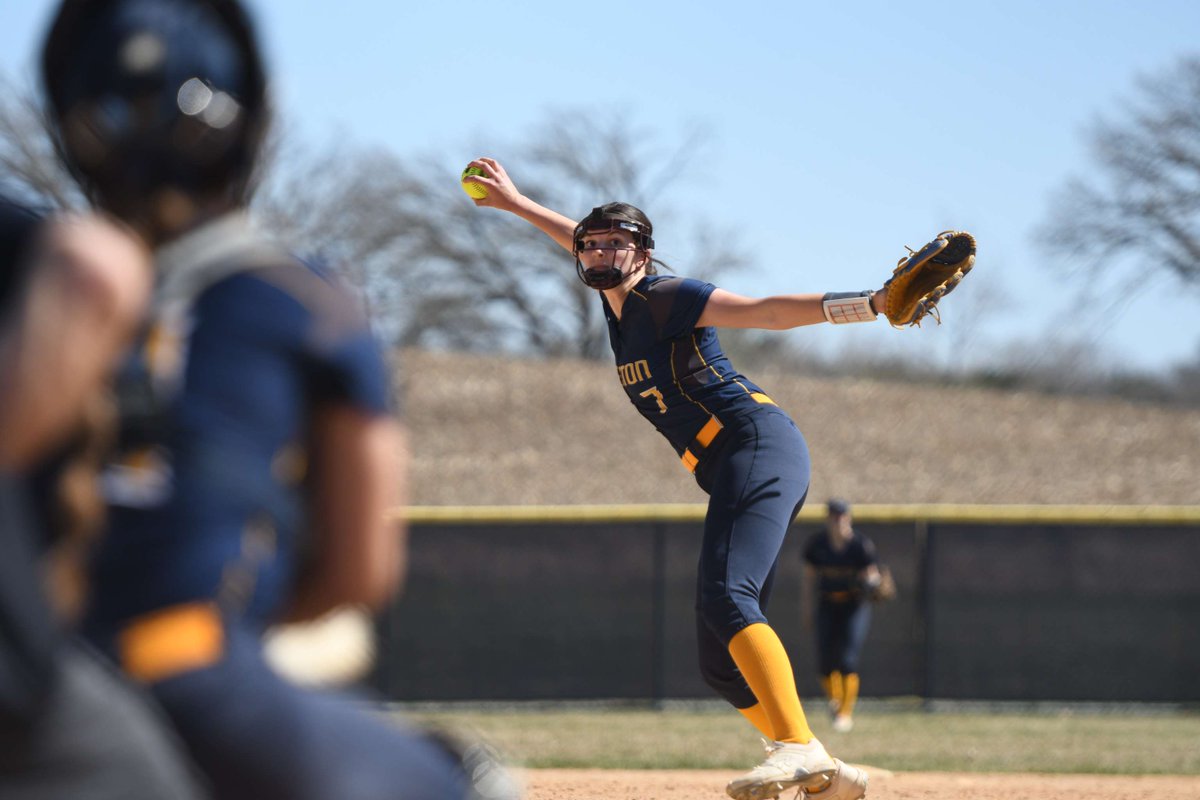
[634, 372]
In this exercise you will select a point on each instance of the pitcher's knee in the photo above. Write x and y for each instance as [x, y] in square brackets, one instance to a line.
[728, 683]
[727, 614]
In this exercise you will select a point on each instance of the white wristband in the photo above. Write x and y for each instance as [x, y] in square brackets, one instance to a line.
[844, 307]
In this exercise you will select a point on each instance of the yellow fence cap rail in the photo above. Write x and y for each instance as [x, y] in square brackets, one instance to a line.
[863, 512]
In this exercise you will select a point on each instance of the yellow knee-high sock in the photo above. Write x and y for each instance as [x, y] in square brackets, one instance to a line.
[836, 687]
[764, 664]
[849, 694]
[759, 719]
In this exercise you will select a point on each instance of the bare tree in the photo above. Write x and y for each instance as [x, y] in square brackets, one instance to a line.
[1143, 199]
[437, 271]
[433, 269]
[29, 165]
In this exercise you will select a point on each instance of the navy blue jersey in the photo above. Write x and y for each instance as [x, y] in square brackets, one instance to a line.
[673, 372]
[18, 228]
[838, 570]
[207, 497]
[27, 631]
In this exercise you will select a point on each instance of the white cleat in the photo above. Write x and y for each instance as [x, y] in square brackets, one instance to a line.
[843, 723]
[849, 783]
[788, 765]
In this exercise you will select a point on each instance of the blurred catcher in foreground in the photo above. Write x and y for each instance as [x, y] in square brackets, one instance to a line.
[258, 452]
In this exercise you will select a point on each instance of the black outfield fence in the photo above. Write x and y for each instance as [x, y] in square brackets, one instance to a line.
[994, 603]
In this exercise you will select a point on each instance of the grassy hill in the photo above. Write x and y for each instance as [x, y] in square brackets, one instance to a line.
[523, 432]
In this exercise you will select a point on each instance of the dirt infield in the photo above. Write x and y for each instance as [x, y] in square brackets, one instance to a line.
[606, 784]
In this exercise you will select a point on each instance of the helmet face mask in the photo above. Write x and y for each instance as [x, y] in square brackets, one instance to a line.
[600, 221]
[158, 105]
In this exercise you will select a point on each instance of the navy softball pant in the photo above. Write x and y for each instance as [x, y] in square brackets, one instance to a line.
[257, 737]
[757, 475]
[841, 631]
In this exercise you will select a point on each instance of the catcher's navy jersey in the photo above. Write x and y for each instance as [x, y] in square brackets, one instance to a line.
[27, 633]
[675, 373]
[206, 500]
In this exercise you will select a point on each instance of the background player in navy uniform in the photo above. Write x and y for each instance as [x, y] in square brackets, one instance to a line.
[71, 290]
[743, 450]
[259, 455]
[840, 564]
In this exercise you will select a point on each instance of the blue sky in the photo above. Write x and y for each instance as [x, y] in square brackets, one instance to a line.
[839, 131]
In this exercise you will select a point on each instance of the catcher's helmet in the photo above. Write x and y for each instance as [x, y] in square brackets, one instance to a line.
[609, 217]
[154, 102]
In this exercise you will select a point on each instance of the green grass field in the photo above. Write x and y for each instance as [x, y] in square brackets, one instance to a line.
[906, 740]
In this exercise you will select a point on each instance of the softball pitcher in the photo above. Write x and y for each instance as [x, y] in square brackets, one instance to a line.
[743, 450]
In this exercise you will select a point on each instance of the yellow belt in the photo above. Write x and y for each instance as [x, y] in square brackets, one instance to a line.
[171, 641]
[691, 455]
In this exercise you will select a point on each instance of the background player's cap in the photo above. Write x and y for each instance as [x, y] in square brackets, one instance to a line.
[837, 507]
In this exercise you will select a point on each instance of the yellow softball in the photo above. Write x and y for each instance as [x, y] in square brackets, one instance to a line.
[475, 190]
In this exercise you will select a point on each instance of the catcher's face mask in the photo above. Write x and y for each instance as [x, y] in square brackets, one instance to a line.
[600, 239]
